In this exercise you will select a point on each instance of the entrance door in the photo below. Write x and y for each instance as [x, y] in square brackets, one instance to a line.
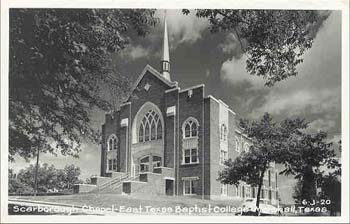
[169, 187]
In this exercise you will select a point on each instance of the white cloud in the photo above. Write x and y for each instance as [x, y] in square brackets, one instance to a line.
[231, 45]
[314, 94]
[135, 52]
[321, 124]
[234, 71]
[283, 101]
[183, 28]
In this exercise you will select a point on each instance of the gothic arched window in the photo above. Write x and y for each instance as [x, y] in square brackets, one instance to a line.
[190, 128]
[112, 142]
[150, 127]
[190, 153]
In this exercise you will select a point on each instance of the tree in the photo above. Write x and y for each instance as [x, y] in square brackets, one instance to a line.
[330, 184]
[60, 63]
[331, 189]
[304, 156]
[49, 178]
[15, 186]
[273, 41]
[68, 176]
[268, 138]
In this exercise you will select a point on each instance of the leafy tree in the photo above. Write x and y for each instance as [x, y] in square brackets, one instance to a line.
[331, 189]
[60, 66]
[304, 157]
[273, 41]
[49, 178]
[68, 176]
[268, 138]
[16, 186]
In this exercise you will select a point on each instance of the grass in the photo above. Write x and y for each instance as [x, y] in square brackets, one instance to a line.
[134, 201]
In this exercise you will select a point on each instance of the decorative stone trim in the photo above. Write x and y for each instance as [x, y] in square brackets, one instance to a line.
[124, 122]
[171, 111]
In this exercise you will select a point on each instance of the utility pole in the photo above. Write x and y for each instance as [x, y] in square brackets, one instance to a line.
[36, 173]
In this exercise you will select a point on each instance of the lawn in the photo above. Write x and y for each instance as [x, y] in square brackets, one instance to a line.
[160, 204]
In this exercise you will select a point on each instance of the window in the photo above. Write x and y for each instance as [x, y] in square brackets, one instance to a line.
[190, 156]
[159, 130]
[190, 186]
[141, 134]
[237, 145]
[114, 166]
[237, 191]
[190, 150]
[223, 133]
[223, 189]
[263, 193]
[112, 143]
[276, 179]
[144, 164]
[157, 161]
[150, 127]
[111, 164]
[247, 192]
[223, 156]
[190, 128]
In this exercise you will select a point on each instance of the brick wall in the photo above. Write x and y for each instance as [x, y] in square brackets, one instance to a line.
[191, 107]
[111, 126]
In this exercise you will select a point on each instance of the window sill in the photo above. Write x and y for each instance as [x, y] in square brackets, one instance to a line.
[190, 194]
[193, 137]
[185, 164]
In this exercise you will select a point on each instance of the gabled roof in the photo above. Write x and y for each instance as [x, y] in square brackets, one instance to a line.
[154, 72]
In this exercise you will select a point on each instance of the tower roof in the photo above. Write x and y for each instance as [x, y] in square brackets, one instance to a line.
[165, 55]
[165, 60]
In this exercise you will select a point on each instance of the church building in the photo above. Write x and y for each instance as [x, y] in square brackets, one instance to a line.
[165, 140]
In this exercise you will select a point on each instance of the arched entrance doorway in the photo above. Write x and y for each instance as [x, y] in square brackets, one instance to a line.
[147, 148]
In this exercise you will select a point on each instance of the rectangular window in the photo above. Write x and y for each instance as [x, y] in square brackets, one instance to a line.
[114, 164]
[194, 155]
[223, 188]
[190, 156]
[276, 179]
[190, 186]
[144, 167]
[156, 164]
[223, 157]
[187, 186]
[110, 164]
[187, 156]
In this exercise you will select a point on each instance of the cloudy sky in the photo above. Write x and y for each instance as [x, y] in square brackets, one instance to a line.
[198, 56]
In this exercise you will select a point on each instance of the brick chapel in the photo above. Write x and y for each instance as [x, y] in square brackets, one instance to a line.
[165, 140]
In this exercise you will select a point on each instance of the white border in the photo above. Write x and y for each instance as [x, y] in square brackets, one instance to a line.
[252, 4]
